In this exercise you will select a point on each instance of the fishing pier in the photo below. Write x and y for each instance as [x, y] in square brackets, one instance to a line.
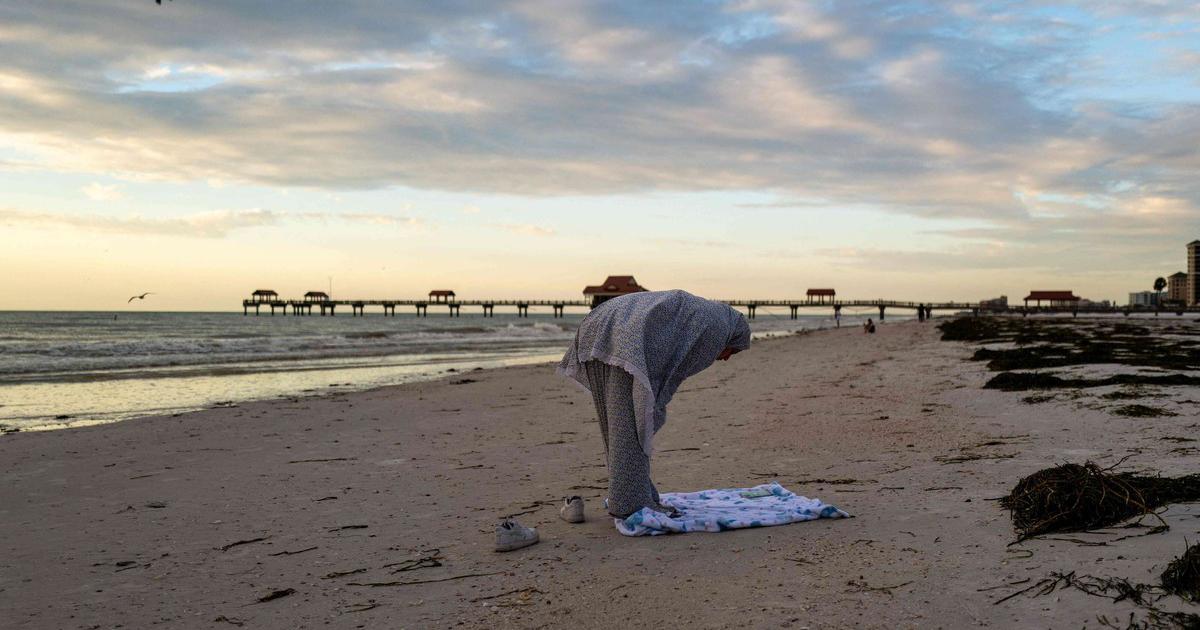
[615, 286]
[316, 302]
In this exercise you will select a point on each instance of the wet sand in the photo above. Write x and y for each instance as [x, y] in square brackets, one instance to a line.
[141, 524]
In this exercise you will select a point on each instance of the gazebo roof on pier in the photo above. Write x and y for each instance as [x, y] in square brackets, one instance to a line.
[822, 292]
[441, 292]
[1066, 296]
[264, 292]
[615, 285]
[316, 294]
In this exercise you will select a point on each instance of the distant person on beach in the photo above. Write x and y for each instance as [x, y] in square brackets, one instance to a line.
[632, 353]
[920, 312]
[869, 327]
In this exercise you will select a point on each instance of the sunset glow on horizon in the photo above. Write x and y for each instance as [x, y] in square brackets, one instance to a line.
[527, 148]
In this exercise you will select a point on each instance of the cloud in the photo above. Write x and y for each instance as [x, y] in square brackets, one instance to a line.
[525, 229]
[216, 224]
[949, 111]
[101, 192]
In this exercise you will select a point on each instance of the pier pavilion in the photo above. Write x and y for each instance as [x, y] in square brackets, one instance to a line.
[1057, 299]
[612, 287]
[821, 295]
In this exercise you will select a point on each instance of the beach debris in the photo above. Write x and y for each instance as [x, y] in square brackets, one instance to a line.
[431, 560]
[1005, 585]
[971, 457]
[158, 505]
[292, 553]
[1143, 411]
[1116, 589]
[834, 482]
[337, 574]
[860, 586]
[229, 620]
[242, 542]
[464, 381]
[1081, 497]
[273, 595]
[353, 608]
[406, 583]
[326, 459]
[529, 590]
[330, 498]
[1145, 596]
[1182, 576]
[340, 528]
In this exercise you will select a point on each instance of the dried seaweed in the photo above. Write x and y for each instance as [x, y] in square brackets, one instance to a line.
[1182, 576]
[1143, 411]
[1022, 381]
[1081, 497]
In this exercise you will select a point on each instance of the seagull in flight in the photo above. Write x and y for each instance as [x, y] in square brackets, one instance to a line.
[140, 297]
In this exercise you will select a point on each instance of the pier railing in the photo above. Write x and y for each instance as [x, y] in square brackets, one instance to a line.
[751, 306]
[454, 306]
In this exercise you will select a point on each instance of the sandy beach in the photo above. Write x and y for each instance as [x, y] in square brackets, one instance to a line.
[376, 509]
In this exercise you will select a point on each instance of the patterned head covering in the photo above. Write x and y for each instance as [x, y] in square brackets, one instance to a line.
[658, 337]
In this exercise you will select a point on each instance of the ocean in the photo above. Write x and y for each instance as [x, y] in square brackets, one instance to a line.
[67, 369]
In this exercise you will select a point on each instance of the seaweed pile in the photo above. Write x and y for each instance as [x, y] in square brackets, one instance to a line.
[1054, 343]
[1022, 381]
[1080, 497]
[1182, 576]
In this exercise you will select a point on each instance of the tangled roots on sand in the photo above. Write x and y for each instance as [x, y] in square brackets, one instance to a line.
[1079, 497]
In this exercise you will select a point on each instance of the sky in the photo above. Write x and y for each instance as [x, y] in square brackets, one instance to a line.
[524, 149]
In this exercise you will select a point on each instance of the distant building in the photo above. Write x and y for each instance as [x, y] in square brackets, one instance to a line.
[1193, 272]
[1143, 298]
[1177, 287]
[1056, 299]
[613, 286]
[1086, 303]
[998, 303]
[822, 295]
[264, 296]
[441, 295]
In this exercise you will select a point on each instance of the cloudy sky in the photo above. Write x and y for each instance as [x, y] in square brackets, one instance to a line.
[749, 148]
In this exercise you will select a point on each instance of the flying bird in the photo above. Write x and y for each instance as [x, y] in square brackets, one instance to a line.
[140, 297]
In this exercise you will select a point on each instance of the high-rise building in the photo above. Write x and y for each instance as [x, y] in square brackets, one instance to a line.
[1193, 279]
[1143, 298]
[1177, 287]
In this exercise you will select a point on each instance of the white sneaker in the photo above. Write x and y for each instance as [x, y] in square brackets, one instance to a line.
[572, 510]
[512, 535]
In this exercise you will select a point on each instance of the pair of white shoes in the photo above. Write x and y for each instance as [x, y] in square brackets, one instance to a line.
[512, 535]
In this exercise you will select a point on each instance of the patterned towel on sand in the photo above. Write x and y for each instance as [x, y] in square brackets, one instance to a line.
[729, 508]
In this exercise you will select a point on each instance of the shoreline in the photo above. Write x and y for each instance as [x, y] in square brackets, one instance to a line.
[305, 381]
[885, 426]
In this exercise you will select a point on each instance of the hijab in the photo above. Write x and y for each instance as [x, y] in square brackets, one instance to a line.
[658, 337]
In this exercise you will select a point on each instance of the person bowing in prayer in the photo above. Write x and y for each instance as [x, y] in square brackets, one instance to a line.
[632, 353]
